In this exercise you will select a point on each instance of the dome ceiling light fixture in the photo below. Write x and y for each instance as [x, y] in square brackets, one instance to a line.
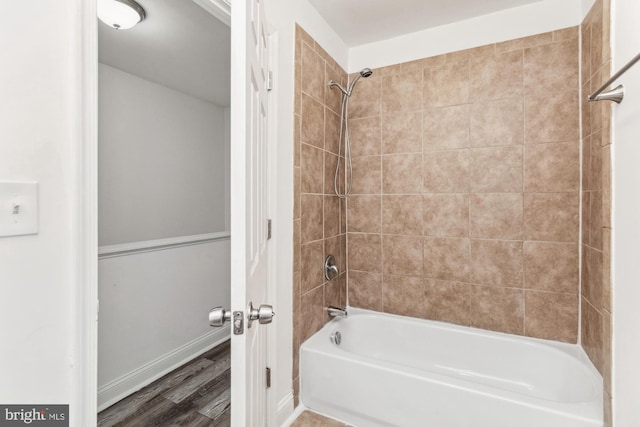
[120, 14]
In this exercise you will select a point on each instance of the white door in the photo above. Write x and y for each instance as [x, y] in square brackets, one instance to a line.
[249, 249]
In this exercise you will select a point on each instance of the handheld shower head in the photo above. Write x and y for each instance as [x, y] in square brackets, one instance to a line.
[365, 72]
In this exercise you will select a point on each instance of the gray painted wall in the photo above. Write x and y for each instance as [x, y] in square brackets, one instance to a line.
[162, 161]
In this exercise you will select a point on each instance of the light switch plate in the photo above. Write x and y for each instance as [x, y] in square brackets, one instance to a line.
[18, 208]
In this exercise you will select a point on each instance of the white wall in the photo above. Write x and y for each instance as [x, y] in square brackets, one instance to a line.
[37, 142]
[162, 164]
[626, 218]
[534, 18]
[154, 304]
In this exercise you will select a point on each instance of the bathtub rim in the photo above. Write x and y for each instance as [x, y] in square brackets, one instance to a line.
[571, 349]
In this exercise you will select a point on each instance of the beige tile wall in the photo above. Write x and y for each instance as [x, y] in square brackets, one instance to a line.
[319, 227]
[596, 196]
[466, 193]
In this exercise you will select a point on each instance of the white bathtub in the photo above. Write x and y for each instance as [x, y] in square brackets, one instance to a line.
[397, 371]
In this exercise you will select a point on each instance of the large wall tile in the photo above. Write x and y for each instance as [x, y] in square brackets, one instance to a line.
[365, 290]
[403, 295]
[446, 171]
[312, 121]
[498, 122]
[331, 216]
[496, 216]
[496, 76]
[552, 167]
[550, 266]
[402, 214]
[497, 263]
[364, 136]
[402, 174]
[312, 311]
[365, 252]
[446, 215]
[330, 163]
[447, 258]
[592, 276]
[551, 216]
[551, 316]
[402, 93]
[447, 301]
[552, 67]
[313, 72]
[331, 131]
[446, 128]
[402, 133]
[312, 262]
[364, 214]
[311, 215]
[311, 169]
[552, 118]
[367, 175]
[497, 309]
[447, 85]
[402, 255]
[495, 169]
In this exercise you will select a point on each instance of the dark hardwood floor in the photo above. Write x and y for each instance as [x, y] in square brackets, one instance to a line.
[196, 394]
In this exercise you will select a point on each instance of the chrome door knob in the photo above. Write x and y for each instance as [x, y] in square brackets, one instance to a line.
[218, 316]
[263, 314]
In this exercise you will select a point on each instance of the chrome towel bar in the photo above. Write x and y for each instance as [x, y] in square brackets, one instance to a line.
[616, 94]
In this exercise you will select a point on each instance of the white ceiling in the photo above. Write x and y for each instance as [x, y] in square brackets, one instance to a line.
[360, 22]
[178, 45]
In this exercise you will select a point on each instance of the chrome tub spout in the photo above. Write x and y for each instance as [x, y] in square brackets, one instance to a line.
[337, 312]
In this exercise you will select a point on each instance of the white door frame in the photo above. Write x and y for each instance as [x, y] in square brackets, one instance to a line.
[85, 383]
[84, 403]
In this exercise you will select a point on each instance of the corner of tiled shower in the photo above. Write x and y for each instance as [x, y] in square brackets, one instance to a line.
[319, 215]
[466, 189]
[596, 196]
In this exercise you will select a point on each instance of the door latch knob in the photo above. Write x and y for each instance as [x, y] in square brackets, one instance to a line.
[263, 314]
[218, 316]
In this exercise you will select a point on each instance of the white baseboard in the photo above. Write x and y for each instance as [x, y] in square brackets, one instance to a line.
[293, 415]
[284, 410]
[127, 384]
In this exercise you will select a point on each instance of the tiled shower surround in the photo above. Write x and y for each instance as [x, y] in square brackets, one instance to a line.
[465, 203]
[466, 189]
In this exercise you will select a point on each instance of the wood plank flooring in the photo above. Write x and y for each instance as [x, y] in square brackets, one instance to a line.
[194, 395]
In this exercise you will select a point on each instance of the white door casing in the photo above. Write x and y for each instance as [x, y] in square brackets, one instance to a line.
[249, 186]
